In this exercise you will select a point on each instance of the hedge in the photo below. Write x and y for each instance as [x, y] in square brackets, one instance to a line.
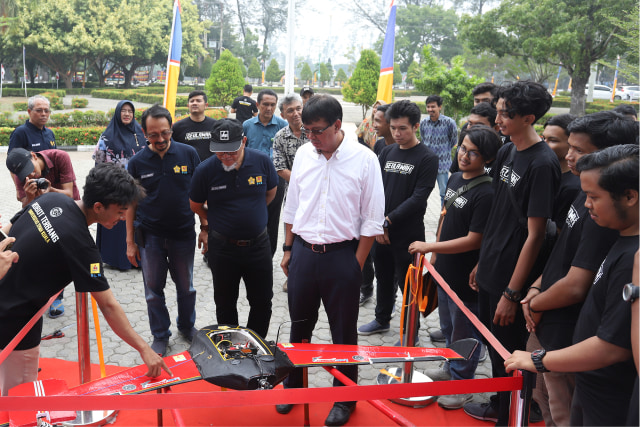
[7, 91]
[136, 95]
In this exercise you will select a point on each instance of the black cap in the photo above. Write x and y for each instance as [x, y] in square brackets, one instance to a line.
[306, 89]
[19, 163]
[226, 136]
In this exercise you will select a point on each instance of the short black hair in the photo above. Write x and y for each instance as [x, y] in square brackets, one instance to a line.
[198, 93]
[404, 108]
[264, 92]
[248, 88]
[526, 97]
[485, 87]
[383, 107]
[485, 109]
[322, 106]
[561, 120]
[618, 168]
[626, 109]
[486, 139]
[156, 111]
[109, 184]
[606, 128]
[434, 98]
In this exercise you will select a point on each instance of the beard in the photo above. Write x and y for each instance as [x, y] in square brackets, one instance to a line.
[230, 167]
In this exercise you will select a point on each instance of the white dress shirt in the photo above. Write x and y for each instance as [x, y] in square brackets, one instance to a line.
[338, 199]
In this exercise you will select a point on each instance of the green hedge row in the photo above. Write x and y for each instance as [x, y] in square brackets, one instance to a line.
[7, 91]
[136, 95]
[64, 135]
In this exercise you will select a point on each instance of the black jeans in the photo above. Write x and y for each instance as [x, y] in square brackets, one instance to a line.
[229, 263]
[273, 211]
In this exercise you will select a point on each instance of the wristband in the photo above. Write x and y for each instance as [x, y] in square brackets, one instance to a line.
[535, 287]
[286, 248]
[511, 295]
[204, 227]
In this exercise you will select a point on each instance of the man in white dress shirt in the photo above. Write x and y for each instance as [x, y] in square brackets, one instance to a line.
[334, 210]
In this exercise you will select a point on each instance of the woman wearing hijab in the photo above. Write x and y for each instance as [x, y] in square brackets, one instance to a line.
[121, 139]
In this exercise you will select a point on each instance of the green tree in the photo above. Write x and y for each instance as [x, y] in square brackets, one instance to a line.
[243, 69]
[254, 71]
[414, 72]
[422, 25]
[574, 34]
[324, 74]
[397, 74]
[273, 73]
[341, 76]
[453, 84]
[362, 87]
[226, 80]
[330, 69]
[306, 74]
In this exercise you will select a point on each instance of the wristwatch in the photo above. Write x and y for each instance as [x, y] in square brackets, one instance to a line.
[204, 227]
[511, 295]
[286, 248]
[536, 357]
[385, 224]
[630, 292]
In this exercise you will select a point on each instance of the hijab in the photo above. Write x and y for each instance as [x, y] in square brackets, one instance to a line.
[121, 138]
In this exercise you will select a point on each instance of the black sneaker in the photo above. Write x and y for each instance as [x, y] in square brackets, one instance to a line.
[160, 346]
[482, 411]
[535, 413]
[365, 297]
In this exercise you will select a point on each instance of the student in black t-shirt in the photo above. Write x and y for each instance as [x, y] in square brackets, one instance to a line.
[556, 136]
[553, 302]
[244, 106]
[601, 353]
[458, 247]
[526, 174]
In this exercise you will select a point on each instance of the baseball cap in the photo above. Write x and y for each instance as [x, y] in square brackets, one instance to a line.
[306, 89]
[226, 136]
[19, 163]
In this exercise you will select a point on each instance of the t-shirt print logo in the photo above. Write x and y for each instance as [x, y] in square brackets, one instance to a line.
[504, 175]
[460, 202]
[55, 212]
[572, 217]
[224, 135]
[599, 273]
[398, 167]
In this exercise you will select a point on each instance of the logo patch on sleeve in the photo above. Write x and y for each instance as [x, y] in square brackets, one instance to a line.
[95, 270]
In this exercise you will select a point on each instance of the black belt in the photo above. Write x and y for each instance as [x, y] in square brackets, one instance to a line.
[324, 248]
[248, 242]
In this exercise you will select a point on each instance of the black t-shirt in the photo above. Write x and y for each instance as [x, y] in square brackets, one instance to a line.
[245, 108]
[408, 177]
[535, 177]
[569, 188]
[379, 146]
[195, 134]
[582, 243]
[55, 248]
[468, 213]
[604, 393]
[236, 199]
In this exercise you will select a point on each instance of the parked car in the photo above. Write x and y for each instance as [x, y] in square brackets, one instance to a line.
[628, 93]
[599, 91]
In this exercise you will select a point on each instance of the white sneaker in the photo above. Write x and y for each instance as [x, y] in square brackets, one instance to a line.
[454, 401]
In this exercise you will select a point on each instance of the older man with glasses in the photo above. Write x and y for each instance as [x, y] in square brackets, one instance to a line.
[34, 135]
[237, 184]
[161, 229]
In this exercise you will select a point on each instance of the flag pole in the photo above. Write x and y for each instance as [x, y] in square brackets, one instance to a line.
[173, 62]
[24, 68]
[385, 82]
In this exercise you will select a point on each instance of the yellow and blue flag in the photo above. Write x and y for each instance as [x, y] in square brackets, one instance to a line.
[385, 83]
[173, 63]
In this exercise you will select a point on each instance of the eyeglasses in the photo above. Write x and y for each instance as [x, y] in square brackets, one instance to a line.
[42, 110]
[126, 111]
[226, 153]
[316, 132]
[473, 154]
[164, 134]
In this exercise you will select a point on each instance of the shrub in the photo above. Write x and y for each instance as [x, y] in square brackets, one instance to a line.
[214, 113]
[64, 135]
[136, 95]
[79, 102]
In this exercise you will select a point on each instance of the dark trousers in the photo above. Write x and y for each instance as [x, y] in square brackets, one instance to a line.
[367, 275]
[512, 337]
[273, 211]
[229, 263]
[332, 278]
[391, 264]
